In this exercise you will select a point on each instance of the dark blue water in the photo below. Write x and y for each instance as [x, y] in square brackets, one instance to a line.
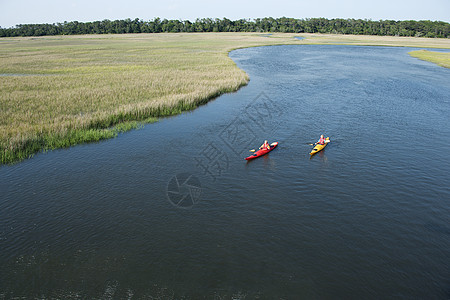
[174, 211]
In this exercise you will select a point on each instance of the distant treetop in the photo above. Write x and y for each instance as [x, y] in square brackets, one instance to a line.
[432, 29]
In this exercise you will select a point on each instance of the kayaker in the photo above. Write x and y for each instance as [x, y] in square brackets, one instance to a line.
[321, 141]
[265, 145]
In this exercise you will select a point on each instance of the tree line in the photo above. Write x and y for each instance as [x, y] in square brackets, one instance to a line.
[432, 29]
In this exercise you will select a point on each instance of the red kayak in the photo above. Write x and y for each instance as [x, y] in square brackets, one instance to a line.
[262, 152]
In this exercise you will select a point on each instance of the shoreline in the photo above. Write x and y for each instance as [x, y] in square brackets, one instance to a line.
[439, 58]
[93, 124]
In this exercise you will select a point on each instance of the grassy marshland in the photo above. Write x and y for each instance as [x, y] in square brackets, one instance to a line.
[58, 91]
[75, 89]
[439, 58]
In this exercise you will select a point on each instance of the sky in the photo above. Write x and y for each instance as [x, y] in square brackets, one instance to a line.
[14, 12]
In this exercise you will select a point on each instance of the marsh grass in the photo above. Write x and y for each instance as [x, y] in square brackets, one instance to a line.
[81, 89]
[440, 58]
[78, 89]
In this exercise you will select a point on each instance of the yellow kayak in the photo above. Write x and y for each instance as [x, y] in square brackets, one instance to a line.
[319, 147]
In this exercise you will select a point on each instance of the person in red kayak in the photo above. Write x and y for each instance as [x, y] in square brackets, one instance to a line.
[321, 141]
[265, 145]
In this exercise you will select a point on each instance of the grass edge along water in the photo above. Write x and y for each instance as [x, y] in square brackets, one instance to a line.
[440, 58]
[52, 141]
[187, 82]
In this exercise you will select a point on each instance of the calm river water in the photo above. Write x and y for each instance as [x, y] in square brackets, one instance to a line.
[173, 211]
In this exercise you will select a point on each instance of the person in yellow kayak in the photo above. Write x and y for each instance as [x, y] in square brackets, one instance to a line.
[265, 145]
[321, 141]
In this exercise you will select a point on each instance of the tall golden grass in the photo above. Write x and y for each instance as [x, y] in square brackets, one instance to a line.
[84, 83]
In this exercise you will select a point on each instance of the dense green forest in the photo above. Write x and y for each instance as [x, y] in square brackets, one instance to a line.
[315, 25]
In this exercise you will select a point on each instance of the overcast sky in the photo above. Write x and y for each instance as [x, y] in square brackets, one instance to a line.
[13, 12]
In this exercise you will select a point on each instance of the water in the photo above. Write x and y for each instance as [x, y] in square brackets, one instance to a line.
[366, 218]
